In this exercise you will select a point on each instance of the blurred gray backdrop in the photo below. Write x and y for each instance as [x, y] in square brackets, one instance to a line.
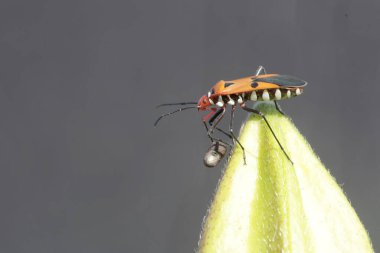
[82, 167]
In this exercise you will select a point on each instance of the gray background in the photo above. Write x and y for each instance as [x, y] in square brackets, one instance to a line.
[81, 167]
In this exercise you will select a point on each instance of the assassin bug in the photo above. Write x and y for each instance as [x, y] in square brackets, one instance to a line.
[259, 87]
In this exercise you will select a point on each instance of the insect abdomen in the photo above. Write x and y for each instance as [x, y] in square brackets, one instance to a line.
[258, 95]
[273, 94]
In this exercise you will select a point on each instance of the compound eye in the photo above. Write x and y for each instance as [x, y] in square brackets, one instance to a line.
[204, 101]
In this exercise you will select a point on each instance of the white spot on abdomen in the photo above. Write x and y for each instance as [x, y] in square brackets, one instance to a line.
[220, 102]
[253, 96]
[266, 95]
[240, 100]
[298, 91]
[289, 93]
[277, 94]
[230, 101]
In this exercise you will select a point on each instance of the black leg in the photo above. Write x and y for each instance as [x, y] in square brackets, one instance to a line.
[224, 132]
[218, 118]
[212, 139]
[220, 130]
[210, 118]
[278, 107]
[216, 114]
[270, 128]
[211, 121]
[232, 133]
[216, 139]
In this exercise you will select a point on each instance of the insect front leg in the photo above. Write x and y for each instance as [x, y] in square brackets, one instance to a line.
[231, 135]
[211, 117]
[244, 107]
[217, 117]
[208, 118]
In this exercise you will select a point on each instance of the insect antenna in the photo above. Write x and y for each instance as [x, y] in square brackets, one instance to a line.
[170, 113]
[180, 103]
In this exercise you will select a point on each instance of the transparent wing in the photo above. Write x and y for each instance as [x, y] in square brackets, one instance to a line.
[282, 80]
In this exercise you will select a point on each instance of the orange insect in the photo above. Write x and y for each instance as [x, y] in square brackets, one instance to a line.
[259, 87]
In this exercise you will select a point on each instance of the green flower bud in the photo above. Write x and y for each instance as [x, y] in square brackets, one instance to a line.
[270, 205]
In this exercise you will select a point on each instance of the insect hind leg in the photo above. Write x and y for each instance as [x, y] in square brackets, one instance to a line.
[244, 107]
[278, 108]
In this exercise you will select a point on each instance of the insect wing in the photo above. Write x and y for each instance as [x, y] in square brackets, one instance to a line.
[282, 80]
[237, 86]
[247, 85]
